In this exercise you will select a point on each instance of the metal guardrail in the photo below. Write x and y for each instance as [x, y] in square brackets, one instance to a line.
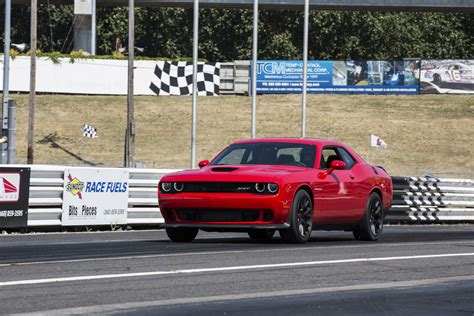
[431, 199]
[415, 199]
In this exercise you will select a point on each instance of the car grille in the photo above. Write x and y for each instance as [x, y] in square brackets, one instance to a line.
[218, 215]
[224, 187]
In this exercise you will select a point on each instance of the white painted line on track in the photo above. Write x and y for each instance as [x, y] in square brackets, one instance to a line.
[223, 269]
[208, 253]
[134, 306]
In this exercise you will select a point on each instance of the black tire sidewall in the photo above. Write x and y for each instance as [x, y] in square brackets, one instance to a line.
[261, 234]
[367, 231]
[292, 234]
[181, 234]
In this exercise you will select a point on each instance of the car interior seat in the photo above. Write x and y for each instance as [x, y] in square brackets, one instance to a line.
[286, 159]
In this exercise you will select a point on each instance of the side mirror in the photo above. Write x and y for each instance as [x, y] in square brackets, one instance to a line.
[203, 163]
[335, 165]
[338, 165]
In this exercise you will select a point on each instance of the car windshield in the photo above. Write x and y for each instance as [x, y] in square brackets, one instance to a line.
[263, 153]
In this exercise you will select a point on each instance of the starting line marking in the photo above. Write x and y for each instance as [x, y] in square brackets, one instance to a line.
[221, 269]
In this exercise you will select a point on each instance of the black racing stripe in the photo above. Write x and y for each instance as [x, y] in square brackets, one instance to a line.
[375, 170]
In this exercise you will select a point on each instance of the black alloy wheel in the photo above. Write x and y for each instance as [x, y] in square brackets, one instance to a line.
[182, 234]
[261, 234]
[301, 219]
[371, 226]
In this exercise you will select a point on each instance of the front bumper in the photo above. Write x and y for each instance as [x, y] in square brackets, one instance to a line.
[222, 210]
[227, 227]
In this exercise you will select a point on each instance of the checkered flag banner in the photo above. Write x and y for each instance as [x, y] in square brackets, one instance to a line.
[176, 78]
[89, 131]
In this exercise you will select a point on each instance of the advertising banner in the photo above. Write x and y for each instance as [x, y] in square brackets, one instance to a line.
[14, 195]
[447, 76]
[354, 76]
[95, 196]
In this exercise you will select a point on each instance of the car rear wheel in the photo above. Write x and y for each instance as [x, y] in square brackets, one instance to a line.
[261, 234]
[182, 234]
[301, 219]
[371, 226]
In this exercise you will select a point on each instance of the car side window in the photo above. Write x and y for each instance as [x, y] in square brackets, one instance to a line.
[328, 155]
[346, 157]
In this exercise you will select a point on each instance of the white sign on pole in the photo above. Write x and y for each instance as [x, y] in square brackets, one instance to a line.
[95, 196]
[83, 7]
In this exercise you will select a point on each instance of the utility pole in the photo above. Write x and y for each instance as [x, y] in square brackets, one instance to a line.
[93, 27]
[31, 102]
[254, 68]
[6, 77]
[130, 105]
[305, 68]
[195, 87]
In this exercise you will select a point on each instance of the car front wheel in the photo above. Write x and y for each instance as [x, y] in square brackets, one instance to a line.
[182, 234]
[261, 234]
[301, 219]
[371, 226]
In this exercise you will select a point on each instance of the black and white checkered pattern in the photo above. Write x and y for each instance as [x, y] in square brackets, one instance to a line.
[89, 131]
[176, 78]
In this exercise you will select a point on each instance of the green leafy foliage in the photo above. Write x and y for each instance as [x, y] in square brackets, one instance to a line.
[226, 34]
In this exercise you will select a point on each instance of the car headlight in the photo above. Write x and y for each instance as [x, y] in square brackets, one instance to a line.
[260, 187]
[178, 186]
[272, 187]
[166, 186]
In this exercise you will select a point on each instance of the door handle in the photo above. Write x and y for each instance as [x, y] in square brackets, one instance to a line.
[352, 177]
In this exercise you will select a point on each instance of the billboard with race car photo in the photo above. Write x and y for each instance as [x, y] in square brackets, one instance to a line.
[351, 76]
[447, 76]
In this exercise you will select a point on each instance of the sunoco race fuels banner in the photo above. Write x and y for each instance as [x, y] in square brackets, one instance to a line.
[14, 195]
[447, 76]
[95, 196]
[355, 76]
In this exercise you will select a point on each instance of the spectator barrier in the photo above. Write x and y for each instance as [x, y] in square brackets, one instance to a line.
[416, 199]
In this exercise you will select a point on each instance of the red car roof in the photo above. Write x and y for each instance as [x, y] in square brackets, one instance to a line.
[313, 141]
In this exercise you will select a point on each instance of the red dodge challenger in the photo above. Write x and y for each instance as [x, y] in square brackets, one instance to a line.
[293, 185]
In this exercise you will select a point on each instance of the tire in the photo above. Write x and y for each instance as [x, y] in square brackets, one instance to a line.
[356, 233]
[371, 226]
[301, 219]
[261, 234]
[182, 234]
[437, 79]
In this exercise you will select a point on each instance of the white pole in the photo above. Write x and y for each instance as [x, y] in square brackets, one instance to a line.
[6, 75]
[195, 70]
[305, 68]
[254, 68]
[93, 28]
[6, 56]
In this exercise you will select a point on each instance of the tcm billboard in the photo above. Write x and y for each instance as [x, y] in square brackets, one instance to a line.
[354, 76]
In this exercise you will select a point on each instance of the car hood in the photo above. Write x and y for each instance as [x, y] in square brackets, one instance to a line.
[237, 173]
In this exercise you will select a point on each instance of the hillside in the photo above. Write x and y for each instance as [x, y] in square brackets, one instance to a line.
[424, 133]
